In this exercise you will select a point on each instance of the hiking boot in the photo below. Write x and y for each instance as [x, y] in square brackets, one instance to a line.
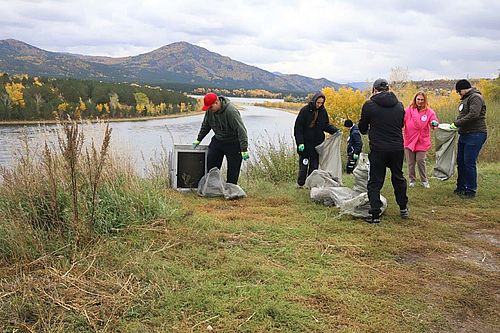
[412, 184]
[404, 213]
[426, 184]
[372, 219]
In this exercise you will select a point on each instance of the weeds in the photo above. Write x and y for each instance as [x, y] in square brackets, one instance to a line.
[64, 195]
[273, 162]
[274, 261]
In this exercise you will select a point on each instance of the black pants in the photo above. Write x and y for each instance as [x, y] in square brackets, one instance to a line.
[379, 161]
[217, 150]
[306, 166]
[351, 164]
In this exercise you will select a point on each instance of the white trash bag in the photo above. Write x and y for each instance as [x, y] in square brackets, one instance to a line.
[213, 185]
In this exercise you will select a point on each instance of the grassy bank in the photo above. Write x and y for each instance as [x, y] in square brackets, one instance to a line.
[150, 259]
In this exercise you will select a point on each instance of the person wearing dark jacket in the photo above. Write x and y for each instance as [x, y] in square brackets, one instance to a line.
[471, 124]
[382, 117]
[310, 125]
[230, 137]
[354, 145]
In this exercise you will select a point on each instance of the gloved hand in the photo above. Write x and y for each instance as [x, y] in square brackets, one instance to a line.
[453, 126]
[244, 155]
[434, 123]
[301, 147]
[355, 157]
[195, 144]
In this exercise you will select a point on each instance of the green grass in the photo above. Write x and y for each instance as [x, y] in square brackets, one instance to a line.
[163, 261]
[274, 261]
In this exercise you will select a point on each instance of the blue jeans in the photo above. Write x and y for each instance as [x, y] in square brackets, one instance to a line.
[469, 146]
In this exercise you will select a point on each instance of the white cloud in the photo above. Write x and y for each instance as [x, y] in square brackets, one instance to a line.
[339, 40]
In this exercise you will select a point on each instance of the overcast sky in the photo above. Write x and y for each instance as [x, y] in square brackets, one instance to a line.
[343, 41]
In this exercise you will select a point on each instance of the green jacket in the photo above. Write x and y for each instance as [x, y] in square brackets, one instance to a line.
[226, 124]
[472, 113]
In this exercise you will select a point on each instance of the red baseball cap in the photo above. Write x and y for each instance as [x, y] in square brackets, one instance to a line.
[209, 100]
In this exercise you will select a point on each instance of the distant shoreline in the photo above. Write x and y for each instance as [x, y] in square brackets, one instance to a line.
[136, 119]
[106, 120]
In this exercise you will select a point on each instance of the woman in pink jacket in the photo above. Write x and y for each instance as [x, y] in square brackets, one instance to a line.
[419, 118]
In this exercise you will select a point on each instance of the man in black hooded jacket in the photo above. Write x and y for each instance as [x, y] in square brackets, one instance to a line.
[310, 125]
[382, 117]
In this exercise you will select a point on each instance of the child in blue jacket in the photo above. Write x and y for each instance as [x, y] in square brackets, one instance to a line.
[354, 145]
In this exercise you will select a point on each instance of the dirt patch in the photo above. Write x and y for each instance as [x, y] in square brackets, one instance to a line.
[478, 257]
[486, 235]
[410, 258]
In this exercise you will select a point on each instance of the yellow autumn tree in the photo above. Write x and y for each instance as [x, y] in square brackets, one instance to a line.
[344, 103]
[36, 81]
[106, 108]
[81, 106]
[61, 108]
[99, 108]
[16, 95]
[77, 114]
[141, 102]
[490, 89]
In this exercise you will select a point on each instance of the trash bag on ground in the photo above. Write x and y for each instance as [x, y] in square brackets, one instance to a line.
[331, 196]
[213, 185]
[322, 178]
[350, 201]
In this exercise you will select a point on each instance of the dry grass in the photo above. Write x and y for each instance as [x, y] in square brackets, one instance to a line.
[163, 261]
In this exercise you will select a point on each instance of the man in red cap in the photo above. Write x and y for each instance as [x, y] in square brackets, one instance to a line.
[230, 137]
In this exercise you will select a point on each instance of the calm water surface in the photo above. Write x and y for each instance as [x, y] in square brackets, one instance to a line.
[146, 141]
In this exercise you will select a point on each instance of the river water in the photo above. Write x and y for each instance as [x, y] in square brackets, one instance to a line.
[144, 142]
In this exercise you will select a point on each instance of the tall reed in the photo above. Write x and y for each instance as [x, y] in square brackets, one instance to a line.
[273, 161]
[69, 192]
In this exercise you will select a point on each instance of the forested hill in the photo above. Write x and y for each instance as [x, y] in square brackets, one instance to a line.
[36, 98]
[179, 62]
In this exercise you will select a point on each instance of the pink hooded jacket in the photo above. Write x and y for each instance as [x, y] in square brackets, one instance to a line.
[416, 133]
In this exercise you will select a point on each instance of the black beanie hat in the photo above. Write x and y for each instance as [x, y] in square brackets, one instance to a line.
[462, 84]
[348, 123]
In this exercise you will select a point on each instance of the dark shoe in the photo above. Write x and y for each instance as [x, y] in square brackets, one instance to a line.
[372, 220]
[468, 195]
[404, 213]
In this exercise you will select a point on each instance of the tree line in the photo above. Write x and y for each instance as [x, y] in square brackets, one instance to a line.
[39, 98]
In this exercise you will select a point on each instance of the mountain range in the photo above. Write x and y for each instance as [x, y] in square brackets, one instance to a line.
[176, 63]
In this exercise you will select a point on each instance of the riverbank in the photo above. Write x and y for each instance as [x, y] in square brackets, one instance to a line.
[106, 120]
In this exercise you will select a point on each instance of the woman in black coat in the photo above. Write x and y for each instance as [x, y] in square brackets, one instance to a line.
[310, 125]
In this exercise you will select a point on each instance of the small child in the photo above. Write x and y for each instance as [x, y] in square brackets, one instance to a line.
[354, 145]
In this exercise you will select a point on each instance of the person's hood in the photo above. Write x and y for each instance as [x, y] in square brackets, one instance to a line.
[472, 91]
[224, 102]
[312, 103]
[385, 99]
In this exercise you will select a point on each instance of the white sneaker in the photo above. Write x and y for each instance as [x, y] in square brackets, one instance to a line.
[426, 184]
[412, 184]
